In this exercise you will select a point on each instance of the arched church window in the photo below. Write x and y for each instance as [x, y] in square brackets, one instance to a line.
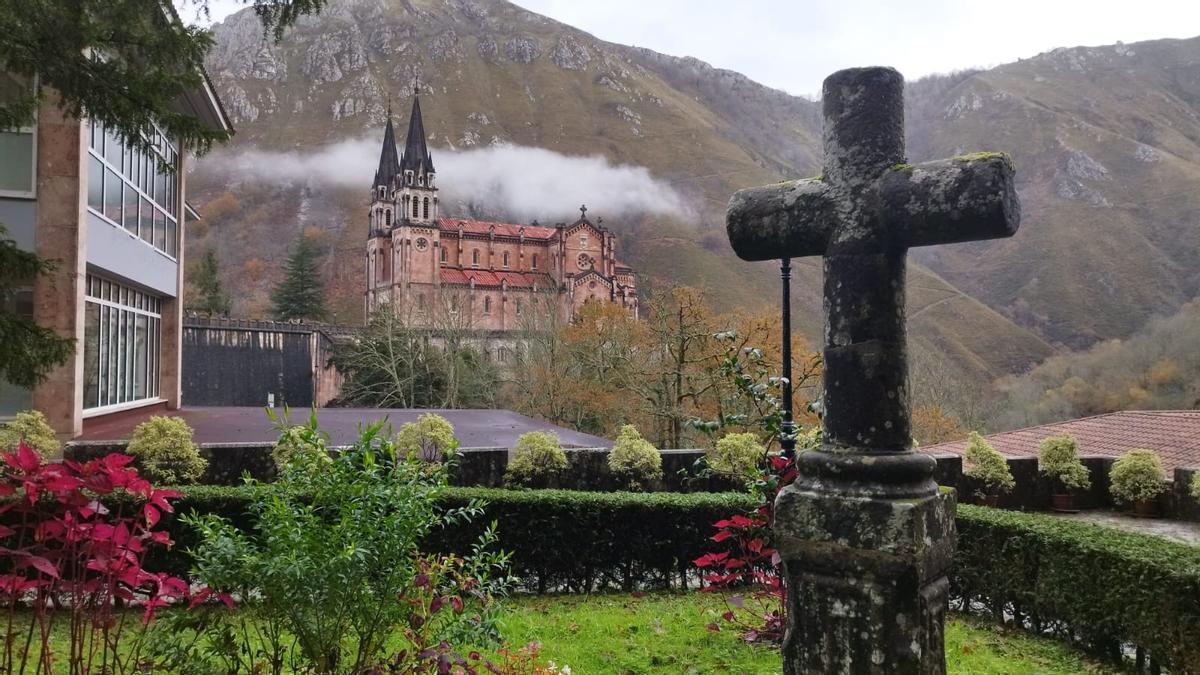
[487, 304]
[416, 205]
[443, 255]
[505, 259]
[387, 216]
[426, 208]
[475, 258]
[535, 261]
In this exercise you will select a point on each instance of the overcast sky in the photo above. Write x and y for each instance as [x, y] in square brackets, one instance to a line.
[794, 44]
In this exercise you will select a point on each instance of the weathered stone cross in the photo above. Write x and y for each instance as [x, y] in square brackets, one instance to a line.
[866, 536]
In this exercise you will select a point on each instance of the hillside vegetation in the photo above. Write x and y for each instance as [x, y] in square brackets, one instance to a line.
[492, 73]
[1157, 368]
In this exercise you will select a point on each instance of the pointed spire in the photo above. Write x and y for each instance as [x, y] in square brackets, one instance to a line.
[389, 164]
[416, 156]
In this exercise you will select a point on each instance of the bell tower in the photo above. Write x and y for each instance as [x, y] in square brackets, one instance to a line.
[417, 197]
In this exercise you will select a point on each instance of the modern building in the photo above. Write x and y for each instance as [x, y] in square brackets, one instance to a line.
[488, 275]
[112, 221]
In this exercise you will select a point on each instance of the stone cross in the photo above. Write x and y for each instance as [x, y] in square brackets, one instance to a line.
[865, 534]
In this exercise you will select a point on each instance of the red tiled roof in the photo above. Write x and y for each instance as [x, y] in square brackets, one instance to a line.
[454, 275]
[502, 229]
[1173, 434]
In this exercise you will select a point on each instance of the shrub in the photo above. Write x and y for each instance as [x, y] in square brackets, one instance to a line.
[299, 445]
[1058, 458]
[1196, 486]
[32, 427]
[1137, 476]
[1096, 584]
[163, 447]
[73, 565]
[332, 558]
[988, 466]
[634, 460]
[538, 460]
[737, 455]
[430, 438]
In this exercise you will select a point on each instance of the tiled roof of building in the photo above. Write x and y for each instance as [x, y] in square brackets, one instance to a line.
[454, 275]
[502, 229]
[1173, 434]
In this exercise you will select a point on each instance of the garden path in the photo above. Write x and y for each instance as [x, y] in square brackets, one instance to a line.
[1175, 530]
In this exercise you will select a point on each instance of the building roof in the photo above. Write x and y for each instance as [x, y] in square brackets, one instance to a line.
[472, 428]
[455, 275]
[416, 157]
[389, 163]
[1173, 434]
[484, 227]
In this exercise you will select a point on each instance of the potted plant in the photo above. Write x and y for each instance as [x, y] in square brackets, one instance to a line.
[990, 468]
[1058, 458]
[1138, 478]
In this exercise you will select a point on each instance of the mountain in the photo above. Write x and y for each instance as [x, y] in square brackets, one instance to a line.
[1106, 142]
[492, 73]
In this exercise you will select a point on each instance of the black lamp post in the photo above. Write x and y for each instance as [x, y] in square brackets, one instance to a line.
[787, 440]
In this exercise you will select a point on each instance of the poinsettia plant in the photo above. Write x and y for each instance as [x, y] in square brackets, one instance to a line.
[67, 559]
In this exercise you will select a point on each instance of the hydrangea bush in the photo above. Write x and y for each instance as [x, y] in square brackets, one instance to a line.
[634, 460]
[1137, 476]
[988, 466]
[738, 455]
[1058, 458]
[538, 460]
[32, 427]
[165, 451]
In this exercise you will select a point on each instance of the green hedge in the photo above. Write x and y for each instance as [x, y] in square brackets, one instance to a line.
[1090, 583]
[1095, 584]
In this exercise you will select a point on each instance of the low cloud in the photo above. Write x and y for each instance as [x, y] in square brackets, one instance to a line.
[522, 183]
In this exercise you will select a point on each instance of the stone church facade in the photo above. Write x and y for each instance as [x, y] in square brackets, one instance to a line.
[488, 275]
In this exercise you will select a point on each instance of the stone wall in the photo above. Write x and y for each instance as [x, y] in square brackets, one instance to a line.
[588, 470]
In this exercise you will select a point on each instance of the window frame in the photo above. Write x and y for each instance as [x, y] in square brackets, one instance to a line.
[33, 163]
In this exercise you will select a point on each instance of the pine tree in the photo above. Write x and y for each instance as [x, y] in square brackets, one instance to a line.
[27, 351]
[211, 297]
[300, 295]
[150, 57]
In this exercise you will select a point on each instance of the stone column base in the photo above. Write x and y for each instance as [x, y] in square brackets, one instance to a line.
[867, 586]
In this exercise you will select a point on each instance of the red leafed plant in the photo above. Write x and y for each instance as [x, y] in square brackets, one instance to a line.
[750, 562]
[68, 562]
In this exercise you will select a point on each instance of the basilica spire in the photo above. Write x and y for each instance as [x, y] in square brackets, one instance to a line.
[416, 156]
[389, 164]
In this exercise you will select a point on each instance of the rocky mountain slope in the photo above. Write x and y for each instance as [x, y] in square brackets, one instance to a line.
[1104, 140]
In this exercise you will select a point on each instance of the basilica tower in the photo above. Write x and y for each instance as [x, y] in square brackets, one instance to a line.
[403, 237]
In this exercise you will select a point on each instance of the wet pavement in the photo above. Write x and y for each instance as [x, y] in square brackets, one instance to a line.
[1176, 530]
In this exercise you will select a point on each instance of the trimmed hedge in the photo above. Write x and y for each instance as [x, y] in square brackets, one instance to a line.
[1096, 584]
[1089, 583]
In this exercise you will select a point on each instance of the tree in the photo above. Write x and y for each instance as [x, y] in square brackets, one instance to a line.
[300, 295]
[27, 351]
[210, 297]
[122, 63]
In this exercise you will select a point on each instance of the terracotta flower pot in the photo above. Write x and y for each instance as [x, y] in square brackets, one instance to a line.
[1145, 508]
[1063, 503]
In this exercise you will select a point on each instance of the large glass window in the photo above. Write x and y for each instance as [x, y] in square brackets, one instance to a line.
[129, 189]
[122, 328]
[18, 146]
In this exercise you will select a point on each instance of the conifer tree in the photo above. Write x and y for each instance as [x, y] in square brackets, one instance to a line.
[300, 295]
[150, 57]
[210, 296]
[27, 351]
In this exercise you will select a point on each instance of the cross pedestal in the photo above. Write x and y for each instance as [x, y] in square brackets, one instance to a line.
[865, 534]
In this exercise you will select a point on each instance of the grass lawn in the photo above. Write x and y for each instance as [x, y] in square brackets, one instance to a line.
[665, 633]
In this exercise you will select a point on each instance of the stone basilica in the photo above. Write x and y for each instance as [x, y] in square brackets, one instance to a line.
[494, 274]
